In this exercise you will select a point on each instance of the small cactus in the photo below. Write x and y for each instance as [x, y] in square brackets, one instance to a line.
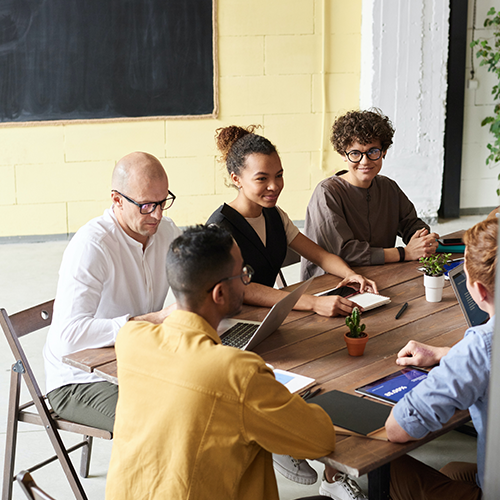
[352, 322]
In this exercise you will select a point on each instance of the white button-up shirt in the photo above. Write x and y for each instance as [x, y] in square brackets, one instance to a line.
[105, 278]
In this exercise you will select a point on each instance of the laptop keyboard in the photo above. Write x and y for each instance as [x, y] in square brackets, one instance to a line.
[239, 335]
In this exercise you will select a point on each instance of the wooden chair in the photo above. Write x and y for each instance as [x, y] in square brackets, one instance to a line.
[28, 485]
[291, 257]
[37, 411]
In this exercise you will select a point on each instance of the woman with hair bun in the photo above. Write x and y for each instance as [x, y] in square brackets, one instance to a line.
[263, 231]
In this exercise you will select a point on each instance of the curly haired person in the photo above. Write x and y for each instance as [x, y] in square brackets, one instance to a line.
[357, 213]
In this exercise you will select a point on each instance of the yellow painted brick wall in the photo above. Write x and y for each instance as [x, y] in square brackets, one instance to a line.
[54, 177]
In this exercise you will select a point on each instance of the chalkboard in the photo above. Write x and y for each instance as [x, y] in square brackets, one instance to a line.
[87, 59]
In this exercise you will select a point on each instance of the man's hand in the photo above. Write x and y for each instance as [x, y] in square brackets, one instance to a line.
[156, 317]
[365, 285]
[417, 354]
[422, 244]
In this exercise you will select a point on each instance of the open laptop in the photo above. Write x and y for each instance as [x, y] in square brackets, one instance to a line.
[473, 315]
[246, 334]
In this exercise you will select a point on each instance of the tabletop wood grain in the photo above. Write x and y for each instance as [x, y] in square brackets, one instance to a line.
[313, 345]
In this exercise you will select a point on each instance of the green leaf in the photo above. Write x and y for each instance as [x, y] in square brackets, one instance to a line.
[487, 120]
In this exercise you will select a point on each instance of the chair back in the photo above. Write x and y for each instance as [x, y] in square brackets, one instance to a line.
[37, 411]
[291, 257]
[30, 320]
[28, 485]
[20, 324]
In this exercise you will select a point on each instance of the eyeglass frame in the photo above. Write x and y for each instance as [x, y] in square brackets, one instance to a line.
[171, 197]
[247, 271]
[363, 154]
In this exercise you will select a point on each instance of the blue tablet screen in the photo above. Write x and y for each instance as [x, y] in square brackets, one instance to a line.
[393, 387]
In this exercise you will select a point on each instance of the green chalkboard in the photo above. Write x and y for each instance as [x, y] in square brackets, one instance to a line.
[88, 59]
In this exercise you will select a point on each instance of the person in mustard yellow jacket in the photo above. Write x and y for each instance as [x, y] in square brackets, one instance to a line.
[196, 419]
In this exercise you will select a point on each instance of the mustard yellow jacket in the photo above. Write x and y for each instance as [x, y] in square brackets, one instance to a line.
[199, 420]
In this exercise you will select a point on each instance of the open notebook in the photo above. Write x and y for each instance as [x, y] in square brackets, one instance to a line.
[366, 300]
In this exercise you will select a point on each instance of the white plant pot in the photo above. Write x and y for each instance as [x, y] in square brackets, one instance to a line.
[433, 288]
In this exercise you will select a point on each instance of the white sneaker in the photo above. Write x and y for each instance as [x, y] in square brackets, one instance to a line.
[342, 488]
[295, 470]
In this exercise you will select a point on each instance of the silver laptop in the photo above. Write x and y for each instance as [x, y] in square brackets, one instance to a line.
[473, 315]
[246, 334]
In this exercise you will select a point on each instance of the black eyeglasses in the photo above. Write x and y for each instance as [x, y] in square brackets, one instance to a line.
[148, 208]
[245, 276]
[356, 156]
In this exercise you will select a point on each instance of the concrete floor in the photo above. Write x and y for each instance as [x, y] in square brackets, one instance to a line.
[28, 276]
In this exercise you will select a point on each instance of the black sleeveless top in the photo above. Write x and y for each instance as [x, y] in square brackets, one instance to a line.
[265, 260]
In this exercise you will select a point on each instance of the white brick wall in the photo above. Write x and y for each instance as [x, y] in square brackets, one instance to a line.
[479, 181]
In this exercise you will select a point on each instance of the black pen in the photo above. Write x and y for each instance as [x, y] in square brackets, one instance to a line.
[402, 310]
[312, 394]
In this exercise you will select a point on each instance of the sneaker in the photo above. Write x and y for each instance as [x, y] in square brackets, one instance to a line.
[295, 470]
[342, 488]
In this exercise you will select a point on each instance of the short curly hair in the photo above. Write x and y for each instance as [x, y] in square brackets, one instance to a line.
[363, 127]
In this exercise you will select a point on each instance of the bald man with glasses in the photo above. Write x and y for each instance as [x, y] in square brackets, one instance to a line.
[112, 272]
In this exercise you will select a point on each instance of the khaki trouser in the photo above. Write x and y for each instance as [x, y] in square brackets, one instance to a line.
[88, 404]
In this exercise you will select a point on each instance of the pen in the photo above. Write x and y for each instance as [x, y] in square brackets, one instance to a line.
[402, 310]
[312, 394]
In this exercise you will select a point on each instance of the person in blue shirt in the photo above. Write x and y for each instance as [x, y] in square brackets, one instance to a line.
[460, 382]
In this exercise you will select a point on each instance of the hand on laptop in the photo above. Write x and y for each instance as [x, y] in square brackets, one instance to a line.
[418, 354]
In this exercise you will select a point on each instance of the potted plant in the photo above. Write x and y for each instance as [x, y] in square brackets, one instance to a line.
[356, 338]
[434, 275]
[488, 50]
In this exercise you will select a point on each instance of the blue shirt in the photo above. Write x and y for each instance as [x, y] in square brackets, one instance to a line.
[459, 382]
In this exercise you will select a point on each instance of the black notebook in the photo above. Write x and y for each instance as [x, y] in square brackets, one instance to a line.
[356, 414]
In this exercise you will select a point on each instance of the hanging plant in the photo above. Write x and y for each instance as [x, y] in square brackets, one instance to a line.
[489, 53]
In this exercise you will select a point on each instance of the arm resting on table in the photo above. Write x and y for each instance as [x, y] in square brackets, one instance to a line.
[395, 432]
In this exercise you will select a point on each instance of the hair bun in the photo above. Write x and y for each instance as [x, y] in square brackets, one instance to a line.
[225, 137]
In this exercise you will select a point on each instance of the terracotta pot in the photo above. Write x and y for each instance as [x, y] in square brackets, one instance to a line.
[356, 347]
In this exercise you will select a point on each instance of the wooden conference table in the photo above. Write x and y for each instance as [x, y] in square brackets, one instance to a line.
[313, 345]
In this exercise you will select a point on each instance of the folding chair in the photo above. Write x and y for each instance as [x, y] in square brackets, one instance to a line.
[14, 327]
[28, 485]
[291, 257]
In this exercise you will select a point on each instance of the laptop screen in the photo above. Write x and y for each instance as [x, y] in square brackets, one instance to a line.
[473, 315]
